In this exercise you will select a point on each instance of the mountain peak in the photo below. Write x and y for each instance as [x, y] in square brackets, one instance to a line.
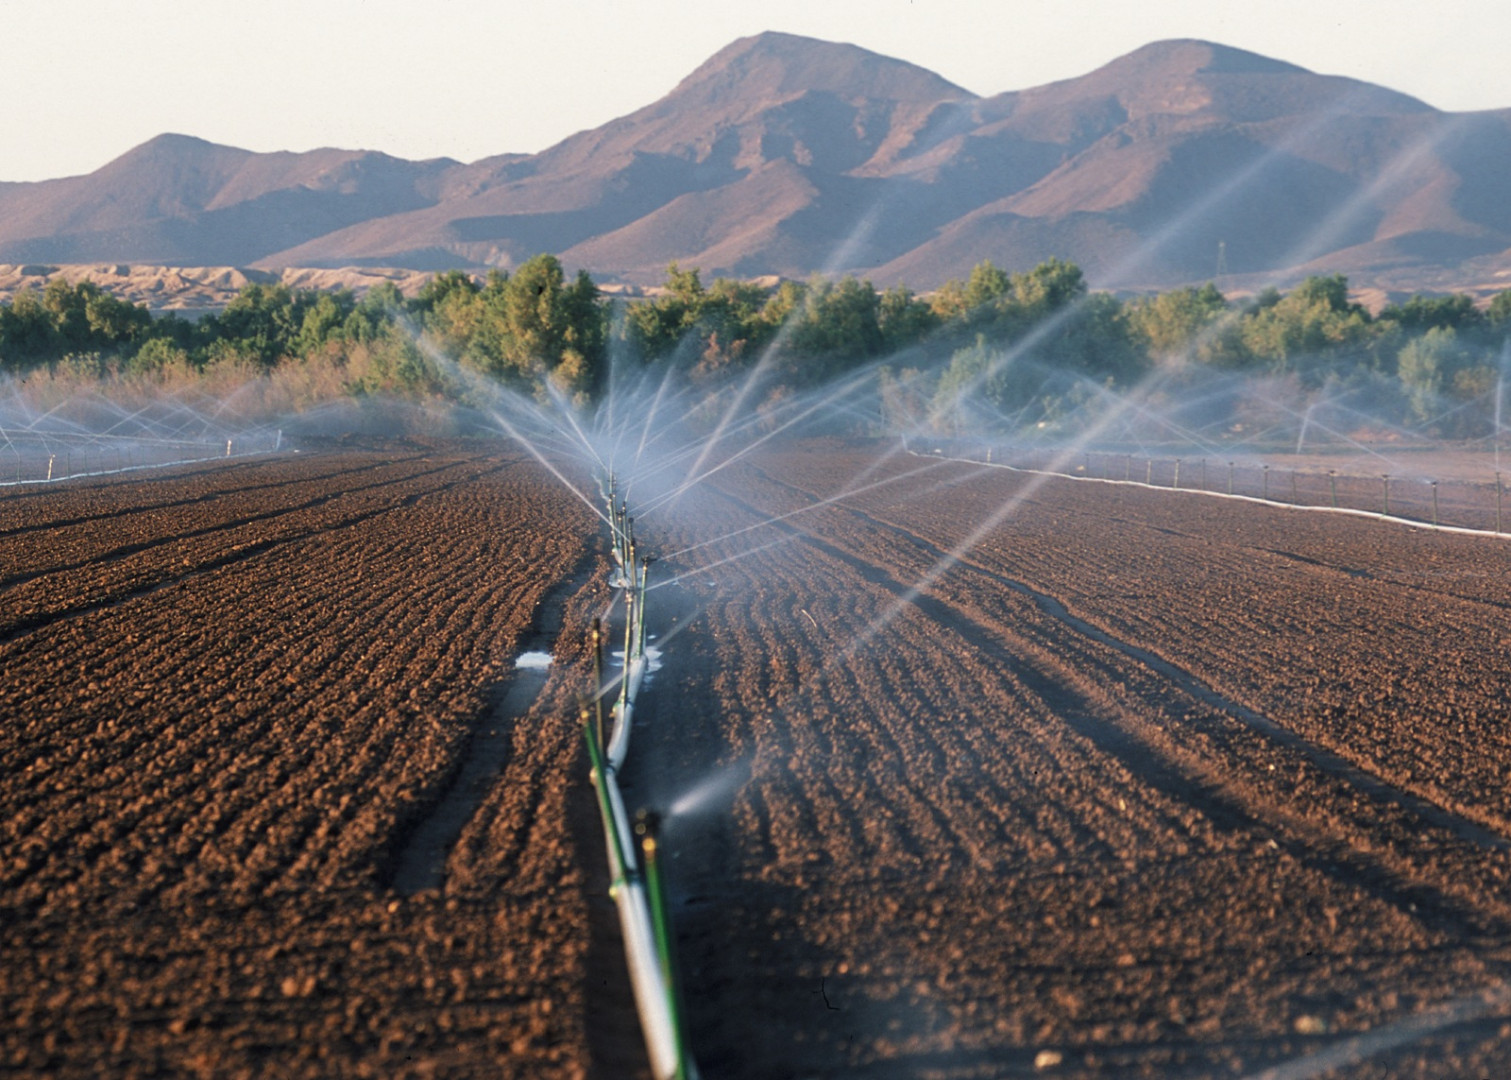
[773, 65]
[172, 140]
[1190, 56]
[175, 150]
[1185, 76]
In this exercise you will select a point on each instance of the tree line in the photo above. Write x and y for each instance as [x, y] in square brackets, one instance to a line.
[995, 349]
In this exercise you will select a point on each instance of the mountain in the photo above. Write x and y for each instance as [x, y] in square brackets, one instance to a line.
[183, 201]
[785, 155]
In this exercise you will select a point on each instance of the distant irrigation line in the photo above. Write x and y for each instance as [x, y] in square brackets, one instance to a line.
[637, 882]
[1279, 488]
[30, 457]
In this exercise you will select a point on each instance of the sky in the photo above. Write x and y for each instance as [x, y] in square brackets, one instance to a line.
[87, 80]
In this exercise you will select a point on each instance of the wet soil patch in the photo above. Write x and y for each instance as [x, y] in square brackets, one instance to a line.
[421, 863]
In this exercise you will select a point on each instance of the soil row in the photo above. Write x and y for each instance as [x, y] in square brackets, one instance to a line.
[960, 835]
[231, 695]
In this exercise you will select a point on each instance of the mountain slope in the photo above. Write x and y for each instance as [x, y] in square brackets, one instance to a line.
[786, 155]
[182, 200]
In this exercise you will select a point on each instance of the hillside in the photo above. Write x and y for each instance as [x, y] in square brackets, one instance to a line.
[790, 156]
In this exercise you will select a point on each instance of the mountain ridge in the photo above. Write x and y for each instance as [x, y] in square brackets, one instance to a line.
[790, 156]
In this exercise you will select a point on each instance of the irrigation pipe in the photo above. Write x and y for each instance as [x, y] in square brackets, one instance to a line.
[135, 468]
[638, 896]
[1372, 515]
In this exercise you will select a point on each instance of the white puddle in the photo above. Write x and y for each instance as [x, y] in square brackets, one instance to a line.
[533, 661]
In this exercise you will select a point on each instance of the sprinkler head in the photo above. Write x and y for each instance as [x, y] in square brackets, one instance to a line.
[647, 822]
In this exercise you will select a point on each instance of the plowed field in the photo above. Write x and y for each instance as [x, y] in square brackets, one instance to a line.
[1143, 784]
[230, 694]
[1140, 784]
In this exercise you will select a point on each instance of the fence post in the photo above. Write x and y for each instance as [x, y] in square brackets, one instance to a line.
[1386, 478]
[1204, 474]
[1149, 472]
[1295, 498]
[1332, 482]
[1266, 483]
[1434, 503]
[1497, 503]
[1176, 483]
[50, 459]
[1230, 478]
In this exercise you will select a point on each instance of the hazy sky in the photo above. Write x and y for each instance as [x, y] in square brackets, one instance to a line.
[86, 80]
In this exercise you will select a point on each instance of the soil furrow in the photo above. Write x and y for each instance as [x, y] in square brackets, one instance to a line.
[131, 504]
[421, 864]
[1376, 787]
[20, 627]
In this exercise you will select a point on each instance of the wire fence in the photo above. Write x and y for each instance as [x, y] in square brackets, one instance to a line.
[37, 457]
[1482, 505]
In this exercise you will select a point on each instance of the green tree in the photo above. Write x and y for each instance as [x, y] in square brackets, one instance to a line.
[905, 320]
[1498, 314]
[986, 285]
[374, 314]
[1172, 323]
[451, 311]
[112, 321]
[1312, 331]
[973, 300]
[1048, 287]
[441, 288]
[553, 330]
[784, 300]
[1330, 291]
[1027, 300]
[657, 328]
[973, 374]
[67, 307]
[324, 321]
[1426, 365]
[1420, 314]
[1093, 340]
[159, 356]
[837, 327]
[260, 324]
[27, 334]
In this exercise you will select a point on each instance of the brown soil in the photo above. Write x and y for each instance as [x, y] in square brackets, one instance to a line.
[1144, 784]
[231, 693]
